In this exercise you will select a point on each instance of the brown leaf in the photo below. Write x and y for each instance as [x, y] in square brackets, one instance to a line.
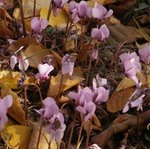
[4, 30]
[16, 136]
[26, 41]
[121, 33]
[35, 54]
[68, 82]
[118, 100]
[127, 82]
[15, 111]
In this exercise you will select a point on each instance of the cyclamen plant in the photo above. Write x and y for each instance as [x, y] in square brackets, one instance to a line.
[22, 60]
[78, 10]
[44, 70]
[98, 12]
[100, 34]
[53, 118]
[37, 24]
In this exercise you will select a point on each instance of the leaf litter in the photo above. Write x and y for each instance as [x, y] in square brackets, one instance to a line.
[32, 125]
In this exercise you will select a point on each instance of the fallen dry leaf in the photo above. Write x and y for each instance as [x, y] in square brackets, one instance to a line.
[35, 54]
[4, 30]
[15, 111]
[16, 136]
[127, 82]
[25, 41]
[28, 7]
[55, 21]
[121, 33]
[68, 82]
[10, 78]
[118, 99]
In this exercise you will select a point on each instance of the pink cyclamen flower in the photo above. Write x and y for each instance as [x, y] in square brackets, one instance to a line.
[82, 96]
[100, 12]
[98, 82]
[131, 63]
[23, 62]
[100, 34]
[78, 10]
[101, 95]
[58, 4]
[84, 102]
[56, 126]
[38, 25]
[145, 53]
[50, 108]
[87, 110]
[5, 103]
[44, 70]
[136, 103]
[68, 64]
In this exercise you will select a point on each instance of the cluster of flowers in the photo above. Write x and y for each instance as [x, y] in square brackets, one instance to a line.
[132, 65]
[53, 120]
[86, 99]
[78, 11]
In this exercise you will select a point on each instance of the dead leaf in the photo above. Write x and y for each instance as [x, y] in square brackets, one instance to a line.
[9, 78]
[68, 82]
[16, 136]
[118, 100]
[15, 111]
[35, 54]
[26, 41]
[28, 7]
[121, 33]
[45, 139]
[127, 82]
[4, 30]
[55, 21]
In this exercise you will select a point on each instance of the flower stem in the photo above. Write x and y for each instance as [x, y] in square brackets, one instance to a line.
[25, 103]
[79, 136]
[88, 134]
[49, 10]
[40, 132]
[34, 8]
[22, 17]
[71, 132]
[138, 123]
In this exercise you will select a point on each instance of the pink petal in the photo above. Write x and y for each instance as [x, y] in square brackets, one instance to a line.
[44, 23]
[13, 61]
[126, 107]
[36, 24]
[23, 63]
[8, 101]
